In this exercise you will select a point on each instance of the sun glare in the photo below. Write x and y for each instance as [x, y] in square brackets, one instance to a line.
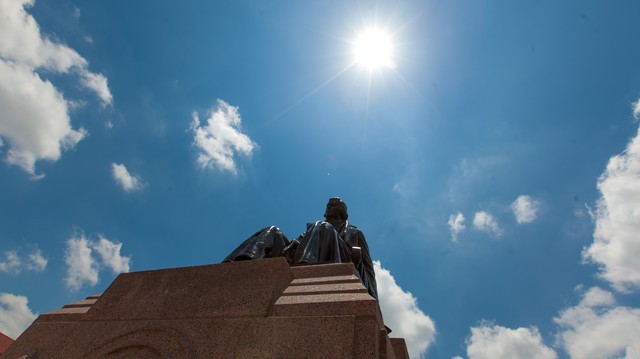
[373, 49]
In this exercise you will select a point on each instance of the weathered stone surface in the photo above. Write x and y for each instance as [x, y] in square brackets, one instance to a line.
[250, 309]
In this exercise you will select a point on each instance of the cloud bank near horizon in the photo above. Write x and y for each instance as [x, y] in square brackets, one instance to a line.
[597, 327]
[402, 314]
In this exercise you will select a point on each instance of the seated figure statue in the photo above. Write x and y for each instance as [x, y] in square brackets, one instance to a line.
[333, 240]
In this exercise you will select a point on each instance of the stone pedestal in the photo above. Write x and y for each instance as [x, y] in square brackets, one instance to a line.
[250, 309]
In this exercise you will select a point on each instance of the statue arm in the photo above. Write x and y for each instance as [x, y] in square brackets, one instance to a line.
[367, 274]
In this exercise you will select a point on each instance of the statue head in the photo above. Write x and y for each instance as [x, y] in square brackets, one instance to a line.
[336, 208]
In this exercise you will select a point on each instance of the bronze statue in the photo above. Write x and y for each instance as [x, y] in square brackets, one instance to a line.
[333, 240]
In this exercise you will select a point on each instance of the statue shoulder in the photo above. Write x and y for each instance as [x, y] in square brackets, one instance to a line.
[353, 229]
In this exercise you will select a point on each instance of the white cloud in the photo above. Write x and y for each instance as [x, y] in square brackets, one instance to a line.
[110, 254]
[11, 263]
[127, 181]
[596, 297]
[636, 109]
[525, 209]
[14, 264]
[495, 342]
[220, 138]
[35, 121]
[616, 246]
[596, 328]
[82, 266]
[401, 313]
[23, 43]
[484, 221]
[15, 315]
[97, 83]
[456, 224]
[36, 261]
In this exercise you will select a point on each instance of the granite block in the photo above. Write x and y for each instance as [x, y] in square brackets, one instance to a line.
[250, 309]
[315, 337]
[326, 304]
[325, 288]
[81, 303]
[326, 280]
[400, 348]
[367, 333]
[323, 270]
[228, 289]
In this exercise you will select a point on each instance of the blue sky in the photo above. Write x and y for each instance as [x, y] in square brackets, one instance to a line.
[494, 167]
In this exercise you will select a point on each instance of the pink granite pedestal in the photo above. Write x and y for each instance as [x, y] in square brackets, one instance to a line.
[249, 309]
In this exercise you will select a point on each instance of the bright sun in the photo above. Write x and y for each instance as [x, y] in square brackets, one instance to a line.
[373, 49]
